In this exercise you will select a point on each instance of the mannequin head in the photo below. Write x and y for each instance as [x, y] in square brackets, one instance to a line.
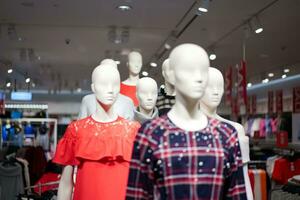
[106, 84]
[188, 71]
[135, 62]
[147, 93]
[110, 62]
[214, 90]
[166, 71]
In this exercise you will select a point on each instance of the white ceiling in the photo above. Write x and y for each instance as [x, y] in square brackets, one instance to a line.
[45, 26]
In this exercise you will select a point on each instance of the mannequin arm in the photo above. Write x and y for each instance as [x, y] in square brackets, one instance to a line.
[66, 184]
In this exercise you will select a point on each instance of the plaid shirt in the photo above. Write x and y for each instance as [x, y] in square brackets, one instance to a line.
[171, 163]
[164, 102]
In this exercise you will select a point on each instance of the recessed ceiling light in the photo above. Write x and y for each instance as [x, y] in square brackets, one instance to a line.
[284, 76]
[8, 84]
[167, 46]
[265, 80]
[286, 70]
[33, 84]
[118, 62]
[20, 39]
[153, 64]
[124, 7]
[9, 71]
[79, 90]
[39, 57]
[201, 9]
[249, 84]
[212, 56]
[259, 30]
[27, 80]
[144, 73]
[271, 74]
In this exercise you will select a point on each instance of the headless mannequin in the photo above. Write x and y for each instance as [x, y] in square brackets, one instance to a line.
[106, 86]
[123, 107]
[147, 96]
[128, 87]
[209, 103]
[188, 72]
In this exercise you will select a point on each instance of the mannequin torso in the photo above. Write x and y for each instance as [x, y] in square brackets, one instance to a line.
[102, 166]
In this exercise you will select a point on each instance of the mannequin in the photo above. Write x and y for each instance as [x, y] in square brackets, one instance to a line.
[100, 145]
[184, 154]
[209, 103]
[123, 107]
[128, 87]
[166, 97]
[146, 92]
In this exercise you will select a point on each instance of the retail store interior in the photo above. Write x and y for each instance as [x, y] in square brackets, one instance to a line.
[49, 49]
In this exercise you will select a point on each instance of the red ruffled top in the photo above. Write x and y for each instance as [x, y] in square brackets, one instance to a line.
[102, 152]
[129, 91]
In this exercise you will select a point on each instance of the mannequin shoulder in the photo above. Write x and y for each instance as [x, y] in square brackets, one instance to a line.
[89, 98]
[125, 100]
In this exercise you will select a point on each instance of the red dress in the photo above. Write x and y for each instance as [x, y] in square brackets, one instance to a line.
[129, 91]
[102, 152]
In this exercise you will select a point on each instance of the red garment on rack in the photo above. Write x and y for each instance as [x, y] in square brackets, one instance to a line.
[285, 169]
[46, 178]
[102, 152]
[129, 91]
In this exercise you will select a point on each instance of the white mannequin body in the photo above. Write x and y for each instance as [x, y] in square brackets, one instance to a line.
[169, 87]
[188, 72]
[135, 62]
[123, 107]
[106, 87]
[147, 96]
[209, 103]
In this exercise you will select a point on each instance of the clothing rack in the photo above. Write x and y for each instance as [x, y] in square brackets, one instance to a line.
[40, 185]
[30, 120]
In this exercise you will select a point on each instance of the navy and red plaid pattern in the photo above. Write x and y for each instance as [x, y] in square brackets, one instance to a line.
[171, 163]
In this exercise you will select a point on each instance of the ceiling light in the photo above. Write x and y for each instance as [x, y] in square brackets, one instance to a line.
[27, 80]
[144, 73]
[249, 84]
[256, 25]
[8, 84]
[284, 76]
[118, 62]
[212, 56]
[33, 84]
[271, 74]
[153, 64]
[79, 90]
[167, 46]
[286, 70]
[204, 6]
[9, 71]
[124, 7]
[265, 80]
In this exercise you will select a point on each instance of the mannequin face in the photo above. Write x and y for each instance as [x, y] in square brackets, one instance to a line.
[106, 84]
[135, 62]
[166, 70]
[189, 70]
[214, 90]
[147, 93]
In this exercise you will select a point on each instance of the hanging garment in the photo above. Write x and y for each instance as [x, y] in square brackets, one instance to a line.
[47, 178]
[258, 180]
[172, 163]
[102, 153]
[285, 169]
[164, 102]
[129, 91]
[11, 183]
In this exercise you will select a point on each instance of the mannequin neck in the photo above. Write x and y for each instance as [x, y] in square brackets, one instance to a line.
[104, 113]
[132, 79]
[148, 113]
[169, 89]
[209, 111]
